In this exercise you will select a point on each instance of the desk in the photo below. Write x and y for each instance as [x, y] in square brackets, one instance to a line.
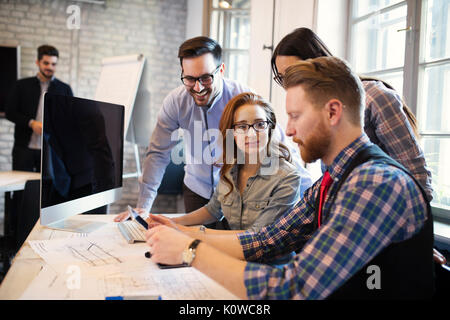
[11, 181]
[27, 264]
[15, 180]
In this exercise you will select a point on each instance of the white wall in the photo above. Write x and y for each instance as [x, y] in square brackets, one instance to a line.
[194, 19]
[289, 14]
[261, 17]
[331, 25]
[328, 18]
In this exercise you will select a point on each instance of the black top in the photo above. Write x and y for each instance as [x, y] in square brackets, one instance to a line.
[406, 267]
[22, 105]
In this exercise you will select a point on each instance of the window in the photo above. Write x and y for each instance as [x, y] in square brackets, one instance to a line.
[407, 44]
[433, 107]
[230, 27]
[376, 30]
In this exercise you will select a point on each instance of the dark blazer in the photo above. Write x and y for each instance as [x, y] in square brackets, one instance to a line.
[22, 104]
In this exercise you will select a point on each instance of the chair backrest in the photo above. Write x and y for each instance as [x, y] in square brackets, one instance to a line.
[28, 212]
[172, 182]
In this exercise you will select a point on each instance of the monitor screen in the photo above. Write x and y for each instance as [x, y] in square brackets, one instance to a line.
[82, 156]
[9, 66]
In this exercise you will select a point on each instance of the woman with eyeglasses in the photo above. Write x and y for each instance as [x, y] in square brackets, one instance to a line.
[388, 122]
[258, 183]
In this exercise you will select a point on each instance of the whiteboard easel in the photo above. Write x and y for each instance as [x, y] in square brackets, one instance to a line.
[118, 83]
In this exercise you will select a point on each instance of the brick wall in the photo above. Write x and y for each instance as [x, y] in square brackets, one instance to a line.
[154, 28]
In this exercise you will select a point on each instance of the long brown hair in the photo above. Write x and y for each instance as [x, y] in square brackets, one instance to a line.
[226, 123]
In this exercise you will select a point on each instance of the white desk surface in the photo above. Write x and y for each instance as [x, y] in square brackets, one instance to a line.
[15, 180]
[27, 264]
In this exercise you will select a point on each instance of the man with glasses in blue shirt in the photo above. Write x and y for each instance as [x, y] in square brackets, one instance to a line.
[196, 107]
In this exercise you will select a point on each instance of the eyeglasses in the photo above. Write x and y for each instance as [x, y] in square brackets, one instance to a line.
[279, 78]
[242, 128]
[205, 80]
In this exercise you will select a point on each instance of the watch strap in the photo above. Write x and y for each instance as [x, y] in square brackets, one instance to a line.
[194, 244]
[192, 248]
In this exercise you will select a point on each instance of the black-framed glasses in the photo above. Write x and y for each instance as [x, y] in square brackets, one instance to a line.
[205, 80]
[279, 78]
[259, 126]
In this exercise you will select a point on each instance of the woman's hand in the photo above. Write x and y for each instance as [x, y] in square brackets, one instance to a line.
[157, 220]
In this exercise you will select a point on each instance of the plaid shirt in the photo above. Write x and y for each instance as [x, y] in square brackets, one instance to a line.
[376, 205]
[388, 127]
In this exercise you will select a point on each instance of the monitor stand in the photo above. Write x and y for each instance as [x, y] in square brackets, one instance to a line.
[75, 225]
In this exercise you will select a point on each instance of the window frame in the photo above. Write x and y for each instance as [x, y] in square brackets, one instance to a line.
[226, 52]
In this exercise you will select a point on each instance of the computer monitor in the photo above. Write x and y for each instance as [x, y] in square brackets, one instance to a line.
[10, 66]
[81, 161]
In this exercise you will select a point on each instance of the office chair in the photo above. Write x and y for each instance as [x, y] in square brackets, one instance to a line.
[28, 213]
[24, 212]
[442, 275]
[172, 182]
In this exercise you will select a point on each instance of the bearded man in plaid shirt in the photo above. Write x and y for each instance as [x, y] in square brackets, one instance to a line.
[374, 217]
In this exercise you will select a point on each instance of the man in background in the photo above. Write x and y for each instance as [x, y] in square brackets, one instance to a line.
[25, 106]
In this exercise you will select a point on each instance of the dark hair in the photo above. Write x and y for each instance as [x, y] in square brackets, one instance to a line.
[46, 50]
[302, 43]
[198, 46]
[227, 121]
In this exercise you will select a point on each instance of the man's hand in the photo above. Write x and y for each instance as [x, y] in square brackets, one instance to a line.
[126, 215]
[166, 244]
[36, 126]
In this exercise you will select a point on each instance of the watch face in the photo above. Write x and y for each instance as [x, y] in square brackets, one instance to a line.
[189, 253]
[188, 256]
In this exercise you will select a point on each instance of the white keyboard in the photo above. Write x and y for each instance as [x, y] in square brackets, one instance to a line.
[132, 231]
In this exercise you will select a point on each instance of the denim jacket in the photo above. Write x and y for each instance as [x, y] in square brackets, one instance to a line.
[271, 192]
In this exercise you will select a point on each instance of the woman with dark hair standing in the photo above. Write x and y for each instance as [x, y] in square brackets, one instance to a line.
[388, 122]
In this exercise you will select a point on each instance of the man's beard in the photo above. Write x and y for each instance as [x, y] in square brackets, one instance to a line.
[316, 144]
[199, 100]
[212, 92]
[45, 75]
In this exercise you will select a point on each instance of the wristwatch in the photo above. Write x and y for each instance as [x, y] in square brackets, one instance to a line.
[189, 252]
